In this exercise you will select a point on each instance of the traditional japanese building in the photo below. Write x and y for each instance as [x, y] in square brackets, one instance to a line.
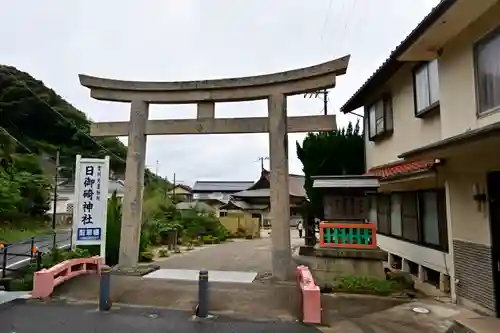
[256, 199]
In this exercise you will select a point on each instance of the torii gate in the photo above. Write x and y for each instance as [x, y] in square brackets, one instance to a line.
[273, 87]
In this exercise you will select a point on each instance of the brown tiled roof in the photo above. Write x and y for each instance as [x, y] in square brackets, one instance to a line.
[392, 65]
[401, 168]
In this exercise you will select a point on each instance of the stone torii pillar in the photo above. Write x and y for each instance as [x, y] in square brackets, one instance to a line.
[273, 87]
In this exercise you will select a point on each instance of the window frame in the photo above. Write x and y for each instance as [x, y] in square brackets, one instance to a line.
[432, 107]
[490, 36]
[387, 213]
[442, 219]
[388, 116]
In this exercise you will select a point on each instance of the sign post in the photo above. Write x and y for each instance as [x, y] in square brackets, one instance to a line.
[91, 202]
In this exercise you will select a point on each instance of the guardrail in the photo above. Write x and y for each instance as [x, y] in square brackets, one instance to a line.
[45, 280]
[13, 257]
[311, 296]
[348, 235]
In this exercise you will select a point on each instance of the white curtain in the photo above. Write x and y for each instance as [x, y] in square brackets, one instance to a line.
[396, 229]
[433, 82]
[430, 218]
[422, 88]
[488, 68]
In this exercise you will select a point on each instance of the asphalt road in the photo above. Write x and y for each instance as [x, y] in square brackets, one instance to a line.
[71, 318]
[18, 253]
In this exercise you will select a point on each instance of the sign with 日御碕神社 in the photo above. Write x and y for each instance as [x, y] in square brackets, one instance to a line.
[91, 201]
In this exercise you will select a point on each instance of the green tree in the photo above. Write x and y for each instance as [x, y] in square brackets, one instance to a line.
[333, 153]
[35, 119]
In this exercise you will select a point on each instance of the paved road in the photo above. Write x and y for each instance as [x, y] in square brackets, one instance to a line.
[240, 255]
[43, 243]
[64, 318]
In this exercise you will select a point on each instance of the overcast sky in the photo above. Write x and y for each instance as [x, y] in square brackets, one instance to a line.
[172, 40]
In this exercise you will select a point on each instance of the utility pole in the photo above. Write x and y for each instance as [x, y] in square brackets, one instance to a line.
[325, 98]
[157, 163]
[173, 190]
[54, 212]
[262, 159]
[325, 101]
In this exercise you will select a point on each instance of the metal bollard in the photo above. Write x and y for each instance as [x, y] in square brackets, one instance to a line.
[105, 289]
[202, 309]
[4, 261]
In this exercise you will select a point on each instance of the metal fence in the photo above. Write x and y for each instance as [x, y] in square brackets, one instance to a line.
[15, 257]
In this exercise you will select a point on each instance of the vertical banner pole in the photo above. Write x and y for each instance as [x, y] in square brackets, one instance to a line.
[105, 191]
[76, 202]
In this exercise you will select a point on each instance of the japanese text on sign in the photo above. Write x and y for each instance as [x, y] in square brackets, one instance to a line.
[90, 215]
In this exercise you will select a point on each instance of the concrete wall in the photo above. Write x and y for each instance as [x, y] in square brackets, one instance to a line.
[457, 98]
[457, 81]
[409, 132]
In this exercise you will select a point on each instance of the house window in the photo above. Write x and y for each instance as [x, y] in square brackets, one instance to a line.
[426, 87]
[372, 215]
[384, 214]
[432, 207]
[380, 117]
[396, 228]
[222, 213]
[417, 217]
[429, 216]
[409, 216]
[487, 58]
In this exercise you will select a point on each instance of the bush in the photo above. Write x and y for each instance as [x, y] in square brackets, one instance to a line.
[197, 242]
[146, 256]
[113, 230]
[49, 259]
[366, 285]
[209, 239]
[163, 253]
[160, 218]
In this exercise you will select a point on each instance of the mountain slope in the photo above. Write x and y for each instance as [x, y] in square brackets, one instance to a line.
[25, 112]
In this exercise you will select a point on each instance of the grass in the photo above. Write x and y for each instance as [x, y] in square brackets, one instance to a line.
[12, 235]
[366, 285]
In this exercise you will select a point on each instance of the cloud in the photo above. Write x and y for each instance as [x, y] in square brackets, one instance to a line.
[171, 40]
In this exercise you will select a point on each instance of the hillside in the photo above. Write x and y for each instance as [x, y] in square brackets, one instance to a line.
[25, 113]
[35, 122]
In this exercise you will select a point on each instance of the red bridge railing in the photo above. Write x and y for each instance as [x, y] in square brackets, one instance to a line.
[348, 235]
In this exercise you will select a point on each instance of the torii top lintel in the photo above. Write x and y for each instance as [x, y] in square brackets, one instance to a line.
[293, 82]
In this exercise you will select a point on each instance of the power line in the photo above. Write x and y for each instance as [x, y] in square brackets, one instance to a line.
[326, 19]
[347, 22]
[66, 119]
[19, 142]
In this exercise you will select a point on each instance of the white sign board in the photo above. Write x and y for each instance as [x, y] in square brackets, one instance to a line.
[91, 202]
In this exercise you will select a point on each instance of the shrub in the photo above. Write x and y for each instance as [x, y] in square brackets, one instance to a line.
[163, 253]
[49, 259]
[196, 242]
[113, 230]
[209, 239]
[146, 256]
[366, 285]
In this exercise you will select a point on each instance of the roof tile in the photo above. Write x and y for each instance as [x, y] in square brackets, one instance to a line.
[401, 168]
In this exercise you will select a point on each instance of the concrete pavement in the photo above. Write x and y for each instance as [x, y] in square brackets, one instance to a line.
[239, 255]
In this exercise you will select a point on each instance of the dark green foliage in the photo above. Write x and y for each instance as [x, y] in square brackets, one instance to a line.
[366, 285]
[25, 112]
[189, 225]
[49, 259]
[337, 153]
[113, 230]
[35, 122]
[22, 194]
